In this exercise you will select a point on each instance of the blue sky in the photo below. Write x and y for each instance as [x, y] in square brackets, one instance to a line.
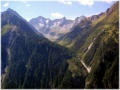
[57, 9]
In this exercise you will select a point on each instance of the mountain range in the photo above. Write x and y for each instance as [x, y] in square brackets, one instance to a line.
[54, 29]
[60, 53]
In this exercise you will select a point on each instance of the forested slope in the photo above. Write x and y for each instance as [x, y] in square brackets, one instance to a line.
[31, 61]
[96, 41]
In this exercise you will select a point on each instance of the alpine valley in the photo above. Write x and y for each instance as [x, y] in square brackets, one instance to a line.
[61, 53]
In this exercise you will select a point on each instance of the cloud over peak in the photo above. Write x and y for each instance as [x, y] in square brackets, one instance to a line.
[57, 15]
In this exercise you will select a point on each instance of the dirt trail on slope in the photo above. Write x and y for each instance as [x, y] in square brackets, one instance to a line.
[89, 47]
[87, 68]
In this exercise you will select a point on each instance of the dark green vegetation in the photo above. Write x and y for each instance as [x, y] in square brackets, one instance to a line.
[31, 61]
[96, 40]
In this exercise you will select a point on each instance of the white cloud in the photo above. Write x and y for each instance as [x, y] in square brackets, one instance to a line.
[91, 2]
[86, 2]
[6, 4]
[26, 3]
[65, 2]
[57, 15]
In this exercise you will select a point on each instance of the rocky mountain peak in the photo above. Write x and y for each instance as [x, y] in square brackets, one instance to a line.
[12, 11]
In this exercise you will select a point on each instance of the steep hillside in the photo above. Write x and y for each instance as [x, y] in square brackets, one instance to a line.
[31, 61]
[96, 42]
[103, 55]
